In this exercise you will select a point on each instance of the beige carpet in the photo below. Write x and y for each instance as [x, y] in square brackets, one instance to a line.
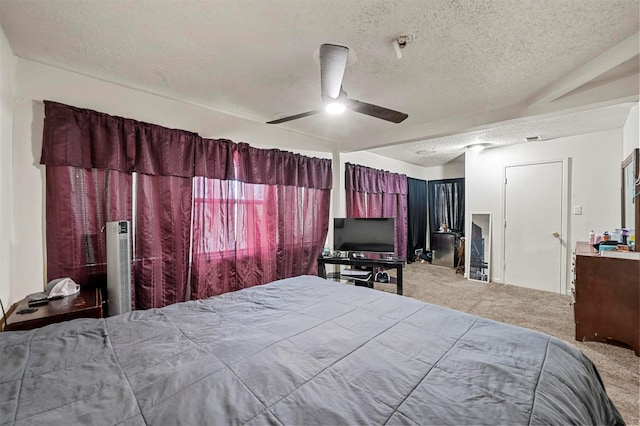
[543, 311]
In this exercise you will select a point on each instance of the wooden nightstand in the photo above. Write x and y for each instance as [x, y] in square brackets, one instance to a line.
[85, 304]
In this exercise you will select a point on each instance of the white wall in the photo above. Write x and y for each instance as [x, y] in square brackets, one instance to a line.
[7, 83]
[630, 131]
[36, 82]
[594, 184]
[451, 170]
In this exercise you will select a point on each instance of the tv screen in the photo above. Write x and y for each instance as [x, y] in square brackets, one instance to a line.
[370, 234]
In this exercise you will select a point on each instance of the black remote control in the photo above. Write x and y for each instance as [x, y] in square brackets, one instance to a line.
[38, 302]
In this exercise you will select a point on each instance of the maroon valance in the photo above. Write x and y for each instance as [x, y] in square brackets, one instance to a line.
[214, 159]
[90, 139]
[275, 167]
[374, 181]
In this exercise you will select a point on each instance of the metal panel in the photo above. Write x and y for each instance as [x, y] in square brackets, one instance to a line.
[443, 248]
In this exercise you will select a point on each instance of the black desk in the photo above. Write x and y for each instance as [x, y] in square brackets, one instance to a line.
[367, 263]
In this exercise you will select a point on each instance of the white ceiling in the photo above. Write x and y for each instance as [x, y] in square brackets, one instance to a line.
[498, 70]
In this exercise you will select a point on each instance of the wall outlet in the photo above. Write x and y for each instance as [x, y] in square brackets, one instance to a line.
[577, 209]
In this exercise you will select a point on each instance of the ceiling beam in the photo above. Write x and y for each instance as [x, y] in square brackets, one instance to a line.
[623, 51]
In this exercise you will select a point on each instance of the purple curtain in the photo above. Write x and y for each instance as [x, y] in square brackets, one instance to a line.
[268, 208]
[246, 234]
[376, 193]
[79, 202]
[302, 224]
[230, 251]
[162, 238]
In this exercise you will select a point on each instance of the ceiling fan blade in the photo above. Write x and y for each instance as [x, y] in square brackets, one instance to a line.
[333, 62]
[376, 111]
[294, 117]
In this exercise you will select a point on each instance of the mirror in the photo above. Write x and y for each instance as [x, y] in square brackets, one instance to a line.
[630, 190]
[479, 240]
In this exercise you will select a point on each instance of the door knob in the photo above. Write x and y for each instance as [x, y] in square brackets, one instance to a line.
[556, 234]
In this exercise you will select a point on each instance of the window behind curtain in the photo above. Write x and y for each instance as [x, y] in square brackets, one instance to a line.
[275, 204]
[240, 234]
[250, 234]
[233, 236]
[446, 204]
[79, 202]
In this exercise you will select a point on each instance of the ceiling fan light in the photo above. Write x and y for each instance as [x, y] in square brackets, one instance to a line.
[335, 107]
[477, 147]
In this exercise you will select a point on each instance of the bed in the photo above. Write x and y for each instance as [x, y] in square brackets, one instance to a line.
[299, 351]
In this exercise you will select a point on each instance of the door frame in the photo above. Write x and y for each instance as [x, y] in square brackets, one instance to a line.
[565, 232]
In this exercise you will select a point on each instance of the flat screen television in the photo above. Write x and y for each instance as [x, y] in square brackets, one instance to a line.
[364, 235]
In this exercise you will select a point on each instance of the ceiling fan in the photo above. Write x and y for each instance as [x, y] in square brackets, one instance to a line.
[333, 62]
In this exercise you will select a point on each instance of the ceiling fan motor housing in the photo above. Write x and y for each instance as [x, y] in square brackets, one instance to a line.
[333, 63]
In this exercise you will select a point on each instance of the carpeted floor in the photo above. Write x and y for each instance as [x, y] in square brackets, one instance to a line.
[539, 310]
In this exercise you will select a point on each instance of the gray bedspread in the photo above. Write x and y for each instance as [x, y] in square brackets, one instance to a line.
[299, 351]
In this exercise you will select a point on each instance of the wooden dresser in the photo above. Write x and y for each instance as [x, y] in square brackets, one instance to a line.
[607, 298]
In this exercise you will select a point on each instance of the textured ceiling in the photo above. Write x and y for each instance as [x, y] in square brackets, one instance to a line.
[439, 151]
[255, 59]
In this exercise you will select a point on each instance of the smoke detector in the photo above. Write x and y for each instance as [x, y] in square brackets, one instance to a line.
[402, 40]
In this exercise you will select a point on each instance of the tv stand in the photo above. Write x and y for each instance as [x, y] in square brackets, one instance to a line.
[366, 263]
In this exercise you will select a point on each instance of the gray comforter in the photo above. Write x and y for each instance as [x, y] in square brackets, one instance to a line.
[298, 351]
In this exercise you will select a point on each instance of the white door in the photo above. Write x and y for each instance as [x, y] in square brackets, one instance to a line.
[533, 249]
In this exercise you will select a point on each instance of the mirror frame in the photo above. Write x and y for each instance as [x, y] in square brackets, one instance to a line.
[633, 158]
[486, 276]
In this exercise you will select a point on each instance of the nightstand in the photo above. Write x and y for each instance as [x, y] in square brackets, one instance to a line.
[87, 303]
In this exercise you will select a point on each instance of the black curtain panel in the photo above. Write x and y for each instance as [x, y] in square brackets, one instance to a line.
[446, 204]
[417, 217]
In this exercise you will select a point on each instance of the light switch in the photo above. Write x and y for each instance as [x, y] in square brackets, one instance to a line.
[577, 209]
